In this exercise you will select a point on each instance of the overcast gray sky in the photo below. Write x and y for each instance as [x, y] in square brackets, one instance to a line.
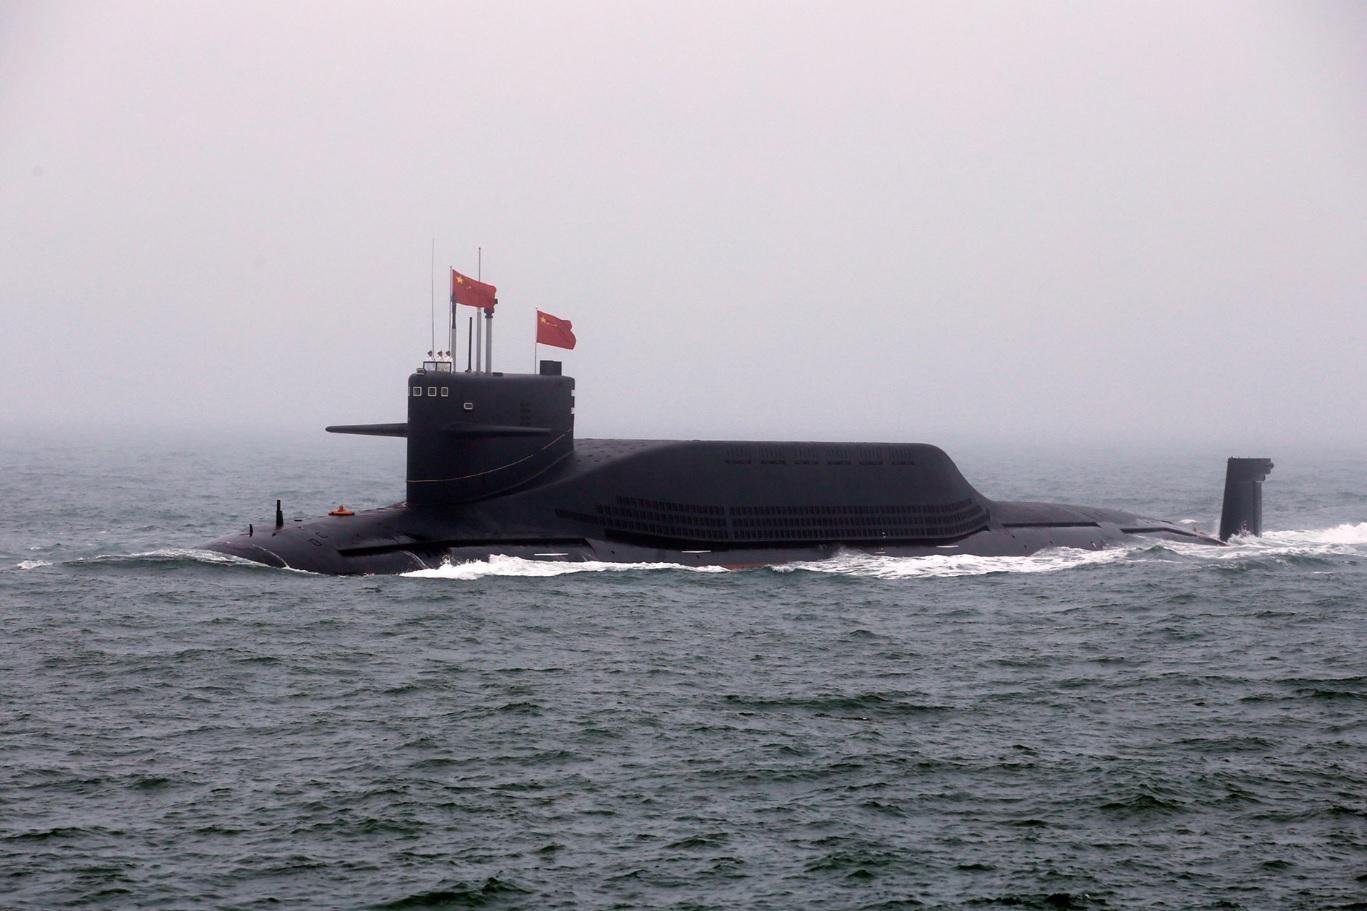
[909, 221]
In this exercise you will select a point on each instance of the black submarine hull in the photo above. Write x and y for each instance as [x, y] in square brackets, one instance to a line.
[493, 468]
[323, 546]
[704, 504]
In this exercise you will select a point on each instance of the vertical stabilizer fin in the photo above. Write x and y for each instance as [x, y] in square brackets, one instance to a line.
[1242, 513]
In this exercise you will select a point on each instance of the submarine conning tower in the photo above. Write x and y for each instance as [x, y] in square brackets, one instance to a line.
[477, 435]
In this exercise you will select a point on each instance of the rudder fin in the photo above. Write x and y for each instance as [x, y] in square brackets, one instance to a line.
[1242, 511]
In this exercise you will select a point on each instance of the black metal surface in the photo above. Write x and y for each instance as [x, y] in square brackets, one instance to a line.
[372, 430]
[1242, 510]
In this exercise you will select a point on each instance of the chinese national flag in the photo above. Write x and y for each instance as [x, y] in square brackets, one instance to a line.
[552, 330]
[471, 293]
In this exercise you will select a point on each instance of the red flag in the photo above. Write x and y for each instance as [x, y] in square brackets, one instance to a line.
[471, 293]
[552, 330]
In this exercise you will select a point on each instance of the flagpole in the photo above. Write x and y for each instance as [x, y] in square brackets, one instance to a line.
[469, 342]
[479, 327]
[452, 329]
[488, 316]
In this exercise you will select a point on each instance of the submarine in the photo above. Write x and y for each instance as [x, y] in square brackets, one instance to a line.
[494, 468]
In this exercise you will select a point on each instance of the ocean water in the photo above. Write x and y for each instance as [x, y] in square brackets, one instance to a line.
[1158, 726]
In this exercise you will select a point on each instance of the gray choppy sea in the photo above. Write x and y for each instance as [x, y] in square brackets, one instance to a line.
[1161, 726]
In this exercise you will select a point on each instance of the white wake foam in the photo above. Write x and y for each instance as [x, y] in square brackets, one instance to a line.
[499, 565]
[34, 564]
[1348, 539]
[946, 565]
[850, 564]
[1345, 539]
[1348, 533]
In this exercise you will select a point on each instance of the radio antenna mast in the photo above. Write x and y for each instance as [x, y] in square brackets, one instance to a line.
[432, 274]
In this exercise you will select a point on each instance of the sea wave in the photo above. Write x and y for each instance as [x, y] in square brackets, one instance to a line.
[160, 556]
[194, 554]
